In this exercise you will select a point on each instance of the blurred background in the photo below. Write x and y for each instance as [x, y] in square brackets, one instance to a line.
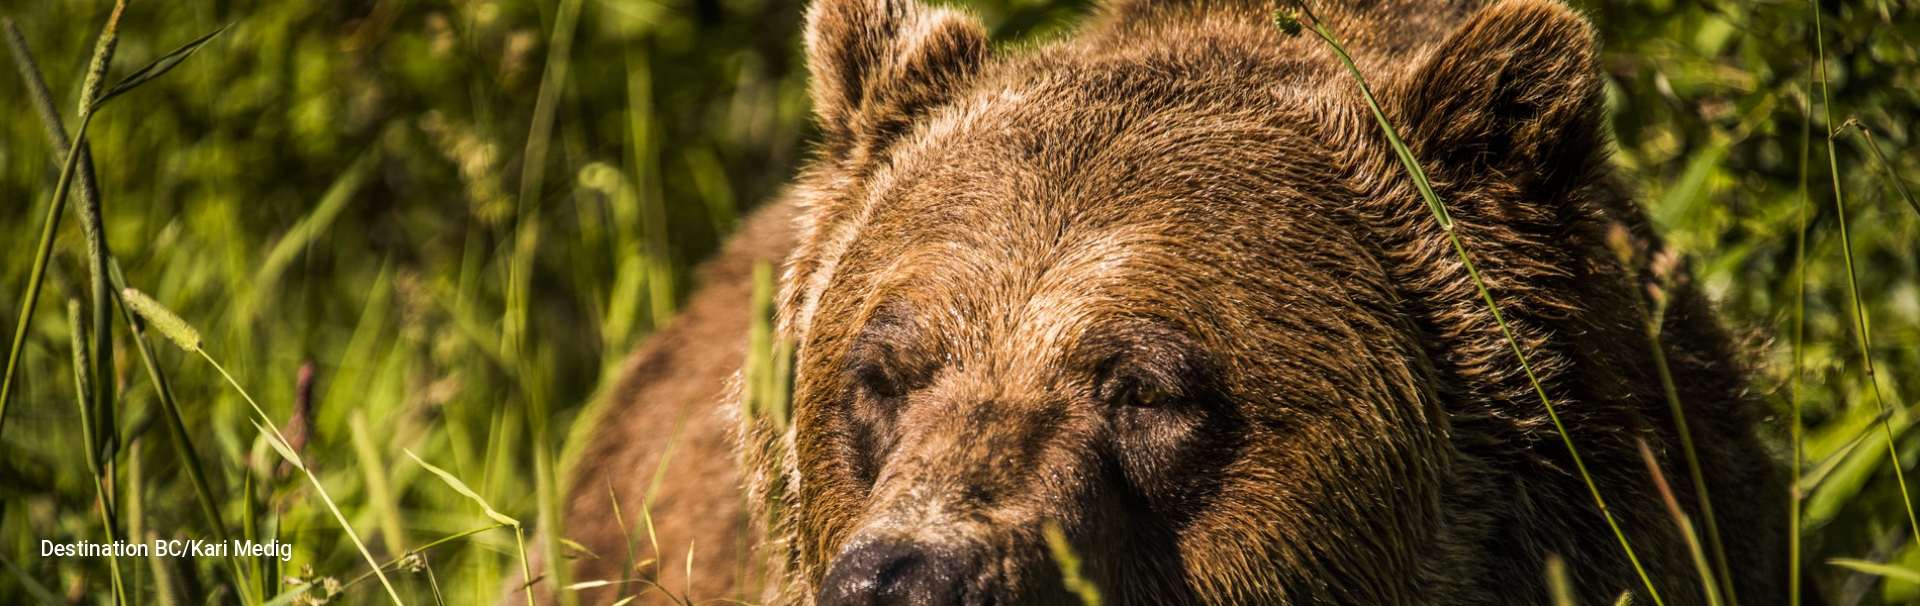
[461, 215]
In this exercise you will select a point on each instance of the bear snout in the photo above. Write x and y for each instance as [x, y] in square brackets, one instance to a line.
[890, 573]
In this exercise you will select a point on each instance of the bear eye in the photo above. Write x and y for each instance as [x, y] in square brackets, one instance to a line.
[888, 357]
[1147, 397]
[877, 379]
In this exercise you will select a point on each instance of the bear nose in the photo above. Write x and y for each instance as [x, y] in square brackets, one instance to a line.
[893, 574]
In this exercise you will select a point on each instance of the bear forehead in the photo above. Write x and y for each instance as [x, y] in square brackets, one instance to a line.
[1066, 188]
[1082, 136]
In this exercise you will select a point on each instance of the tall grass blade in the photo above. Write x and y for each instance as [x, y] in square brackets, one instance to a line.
[769, 358]
[519, 538]
[1899, 184]
[626, 536]
[642, 124]
[133, 509]
[1797, 430]
[176, 425]
[1707, 584]
[1853, 284]
[526, 567]
[1445, 221]
[461, 487]
[1558, 583]
[1069, 564]
[310, 227]
[379, 492]
[158, 67]
[1652, 321]
[1877, 569]
[533, 169]
[290, 595]
[183, 334]
[250, 520]
[96, 458]
[105, 428]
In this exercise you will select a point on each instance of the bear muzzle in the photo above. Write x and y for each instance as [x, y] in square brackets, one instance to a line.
[894, 573]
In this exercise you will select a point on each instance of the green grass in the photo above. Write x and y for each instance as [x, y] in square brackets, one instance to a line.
[464, 214]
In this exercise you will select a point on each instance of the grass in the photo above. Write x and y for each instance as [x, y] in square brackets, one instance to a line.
[1861, 330]
[358, 187]
[1069, 563]
[184, 335]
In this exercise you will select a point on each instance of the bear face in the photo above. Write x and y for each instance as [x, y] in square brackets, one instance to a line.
[1163, 287]
[1044, 320]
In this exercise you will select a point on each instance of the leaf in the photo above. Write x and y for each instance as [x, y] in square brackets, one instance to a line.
[314, 224]
[571, 544]
[287, 598]
[1687, 192]
[274, 441]
[157, 68]
[461, 487]
[587, 585]
[1877, 569]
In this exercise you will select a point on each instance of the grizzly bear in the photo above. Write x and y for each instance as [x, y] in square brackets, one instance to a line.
[1162, 287]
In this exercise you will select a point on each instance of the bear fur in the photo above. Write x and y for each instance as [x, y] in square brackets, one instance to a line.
[1162, 286]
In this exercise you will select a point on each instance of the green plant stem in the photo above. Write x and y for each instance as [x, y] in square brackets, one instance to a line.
[396, 562]
[1853, 287]
[1796, 496]
[105, 428]
[1866, 342]
[84, 184]
[281, 440]
[526, 246]
[1708, 586]
[526, 570]
[642, 132]
[177, 430]
[84, 388]
[250, 527]
[1439, 212]
[1653, 323]
[1898, 184]
[93, 373]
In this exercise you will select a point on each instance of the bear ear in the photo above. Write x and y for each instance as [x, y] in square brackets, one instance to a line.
[1514, 96]
[878, 64]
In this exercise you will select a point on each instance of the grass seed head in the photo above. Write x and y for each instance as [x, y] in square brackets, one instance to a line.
[163, 320]
[1287, 21]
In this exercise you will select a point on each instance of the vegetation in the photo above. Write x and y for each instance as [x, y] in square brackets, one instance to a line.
[422, 234]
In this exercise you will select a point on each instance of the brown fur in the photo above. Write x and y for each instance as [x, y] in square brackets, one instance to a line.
[1164, 285]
